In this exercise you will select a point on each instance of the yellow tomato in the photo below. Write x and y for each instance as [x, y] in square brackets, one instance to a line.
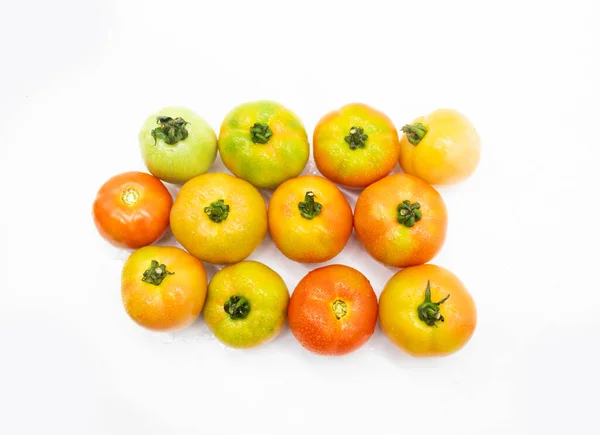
[427, 311]
[219, 218]
[440, 148]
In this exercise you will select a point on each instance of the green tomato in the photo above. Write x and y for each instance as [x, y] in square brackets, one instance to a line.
[246, 304]
[264, 143]
[177, 145]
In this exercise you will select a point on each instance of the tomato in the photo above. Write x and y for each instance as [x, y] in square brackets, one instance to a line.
[440, 148]
[219, 218]
[427, 311]
[264, 143]
[163, 288]
[333, 310]
[355, 145]
[246, 305]
[177, 144]
[401, 220]
[309, 219]
[132, 209]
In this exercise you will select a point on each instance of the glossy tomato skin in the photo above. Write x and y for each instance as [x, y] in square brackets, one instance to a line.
[267, 296]
[230, 240]
[264, 165]
[448, 153]
[310, 240]
[131, 210]
[361, 166]
[312, 316]
[184, 160]
[399, 318]
[172, 304]
[390, 242]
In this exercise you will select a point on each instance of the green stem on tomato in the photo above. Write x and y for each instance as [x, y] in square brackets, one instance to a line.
[429, 312]
[408, 214]
[156, 273]
[356, 138]
[170, 130]
[415, 132]
[309, 208]
[238, 307]
[260, 133]
[217, 211]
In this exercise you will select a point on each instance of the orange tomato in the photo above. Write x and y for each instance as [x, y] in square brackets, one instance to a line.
[310, 219]
[440, 148]
[356, 145]
[401, 220]
[163, 288]
[333, 310]
[427, 311]
[132, 209]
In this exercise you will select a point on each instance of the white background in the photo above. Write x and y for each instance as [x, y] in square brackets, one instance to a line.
[78, 78]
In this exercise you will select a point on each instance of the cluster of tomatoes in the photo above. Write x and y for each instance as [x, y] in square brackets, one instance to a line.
[400, 220]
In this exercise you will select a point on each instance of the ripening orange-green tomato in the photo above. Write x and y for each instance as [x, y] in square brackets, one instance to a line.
[310, 219]
[219, 218]
[263, 143]
[440, 148]
[401, 220]
[163, 288]
[427, 311]
[355, 145]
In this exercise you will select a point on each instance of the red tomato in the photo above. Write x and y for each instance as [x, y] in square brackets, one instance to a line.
[132, 210]
[333, 310]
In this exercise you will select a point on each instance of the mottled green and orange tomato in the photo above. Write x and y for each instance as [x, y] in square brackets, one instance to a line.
[401, 220]
[246, 305]
[427, 311]
[355, 145]
[440, 148]
[163, 288]
[219, 218]
[264, 143]
[310, 219]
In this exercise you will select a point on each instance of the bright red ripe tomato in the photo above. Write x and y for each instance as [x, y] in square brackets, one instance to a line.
[132, 210]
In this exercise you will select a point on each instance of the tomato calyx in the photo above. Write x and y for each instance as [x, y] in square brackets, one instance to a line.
[260, 133]
[340, 309]
[429, 312]
[238, 307]
[409, 213]
[130, 196]
[170, 130]
[357, 138]
[156, 273]
[217, 211]
[309, 208]
[415, 132]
